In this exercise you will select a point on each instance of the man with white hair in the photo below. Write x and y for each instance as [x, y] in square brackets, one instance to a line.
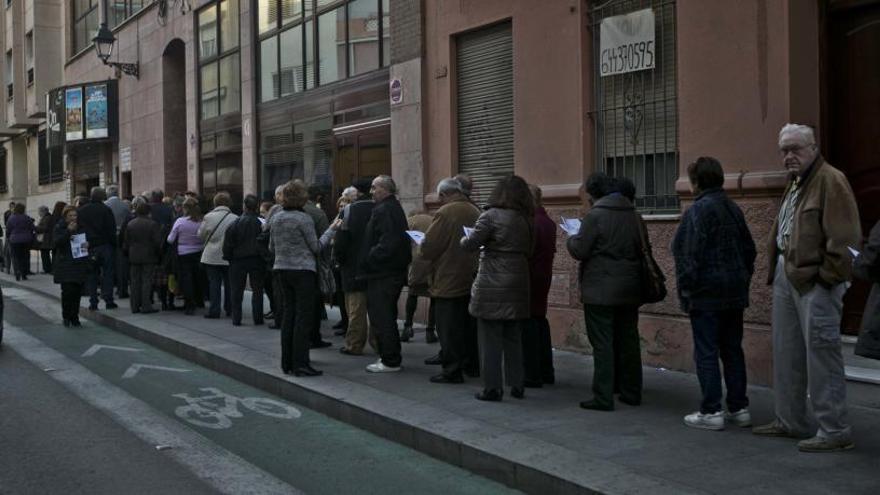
[452, 274]
[810, 267]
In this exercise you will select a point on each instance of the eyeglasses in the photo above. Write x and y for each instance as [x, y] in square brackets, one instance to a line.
[794, 148]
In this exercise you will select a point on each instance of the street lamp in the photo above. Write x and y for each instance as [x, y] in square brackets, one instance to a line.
[104, 41]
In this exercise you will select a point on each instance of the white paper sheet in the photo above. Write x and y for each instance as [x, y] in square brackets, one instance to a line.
[77, 246]
[417, 236]
[570, 226]
[467, 231]
[853, 252]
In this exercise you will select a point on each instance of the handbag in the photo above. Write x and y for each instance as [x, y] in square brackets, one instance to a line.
[653, 280]
[326, 280]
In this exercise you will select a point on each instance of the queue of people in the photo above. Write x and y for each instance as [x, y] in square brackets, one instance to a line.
[487, 270]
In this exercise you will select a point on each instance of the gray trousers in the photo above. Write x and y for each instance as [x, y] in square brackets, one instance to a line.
[500, 340]
[142, 287]
[808, 375]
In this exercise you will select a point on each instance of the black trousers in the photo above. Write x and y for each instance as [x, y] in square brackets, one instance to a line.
[320, 314]
[21, 257]
[298, 287]
[614, 334]
[280, 303]
[239, 271]
[188, 274]
[382, 296]
[269, 286]
[538, 351]
[47, 260]
[71, 292]
[339, 299]
[412, 303]
[454, 326]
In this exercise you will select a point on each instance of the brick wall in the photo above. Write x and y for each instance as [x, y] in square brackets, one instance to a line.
[406, 30]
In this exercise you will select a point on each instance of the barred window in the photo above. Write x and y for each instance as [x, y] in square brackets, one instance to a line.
[636, 111]
[51, 162]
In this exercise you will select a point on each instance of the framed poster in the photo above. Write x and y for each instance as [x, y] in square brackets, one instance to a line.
[74, 113]
[96, 112]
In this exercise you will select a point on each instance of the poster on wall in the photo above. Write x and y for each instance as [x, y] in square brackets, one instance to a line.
[55, 118]
[96, 111]
[73, 108]
[626, 43]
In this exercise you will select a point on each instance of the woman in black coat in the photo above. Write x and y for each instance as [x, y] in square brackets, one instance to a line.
[68, 271]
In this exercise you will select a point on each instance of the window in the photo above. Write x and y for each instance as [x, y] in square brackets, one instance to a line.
[636, 114]
[220, 76]
[9, 75]
[85, 23]
[4, 186]
[120, 10]
[51, 162]
[341, 37]
[29, 56]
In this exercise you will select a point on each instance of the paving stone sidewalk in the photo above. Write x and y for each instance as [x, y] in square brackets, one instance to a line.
[543, 444]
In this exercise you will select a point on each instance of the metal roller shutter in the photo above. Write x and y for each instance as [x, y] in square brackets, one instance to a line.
[485, 107]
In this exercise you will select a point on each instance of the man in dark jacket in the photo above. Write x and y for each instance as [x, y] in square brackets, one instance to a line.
[383, 261]
[609, 249]
[714, 262]
[348, 246]
[322, 223]
[245, 254]
[142, 242]
[100, 226]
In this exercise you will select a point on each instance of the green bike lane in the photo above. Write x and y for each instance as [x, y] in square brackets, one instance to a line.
[308, 450]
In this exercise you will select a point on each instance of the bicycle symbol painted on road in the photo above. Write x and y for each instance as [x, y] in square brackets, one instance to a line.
[215, 409]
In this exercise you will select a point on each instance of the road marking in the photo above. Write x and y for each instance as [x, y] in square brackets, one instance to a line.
[214, 409]
[220, 468]
[135, 368]
[97, 347]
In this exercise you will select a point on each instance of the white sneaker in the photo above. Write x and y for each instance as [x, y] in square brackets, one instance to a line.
[378, 367]
[739, 418]
[714, 421]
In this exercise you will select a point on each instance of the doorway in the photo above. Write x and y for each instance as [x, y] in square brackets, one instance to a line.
[364, 153]
[852, 100]
[173, 117]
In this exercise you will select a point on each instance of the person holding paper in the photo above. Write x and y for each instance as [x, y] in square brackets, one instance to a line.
[500, 293]
[71, 273]
[418, 280]
[809, 270]
[452, 272]
[609, 249]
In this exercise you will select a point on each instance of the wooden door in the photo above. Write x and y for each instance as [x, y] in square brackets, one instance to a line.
[853, 127]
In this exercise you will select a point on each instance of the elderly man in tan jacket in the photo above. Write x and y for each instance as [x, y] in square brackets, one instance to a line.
[453, 271]
[810, 269]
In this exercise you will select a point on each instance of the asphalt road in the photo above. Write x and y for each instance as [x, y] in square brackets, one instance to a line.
[91, 424]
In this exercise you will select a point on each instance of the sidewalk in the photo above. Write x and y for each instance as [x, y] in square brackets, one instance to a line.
[543, 444]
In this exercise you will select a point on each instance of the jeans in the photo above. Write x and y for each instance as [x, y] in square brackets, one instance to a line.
[217, 275]
[239, 271]
[71, 292]
[719, 334]
[103, 270]
[382, 296]
[298, 287]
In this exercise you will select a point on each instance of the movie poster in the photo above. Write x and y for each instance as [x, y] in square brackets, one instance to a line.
[96, 111]
[73, 110]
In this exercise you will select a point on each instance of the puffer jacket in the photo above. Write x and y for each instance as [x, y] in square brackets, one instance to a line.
[501, 289]
[66, 268]
[867, 267]
[609, 249]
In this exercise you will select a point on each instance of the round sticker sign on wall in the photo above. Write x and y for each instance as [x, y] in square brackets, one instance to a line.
[396, 91]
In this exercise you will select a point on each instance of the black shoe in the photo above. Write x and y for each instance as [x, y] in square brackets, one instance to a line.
[212, 317]
[111, 305]
[533, 384]
[93, 307]
[75, 323]
[67, 323]
[595, 406]
[321, 344]
[407, 333]
[630, 402]
[149, 311]
[473, 373]
[518, 392]
[236, 323]
[434, 360]
[490, 395]
[443, 378]
[341, 324]
[307, 371]
[24, 277]
[341, 332]
[269, 316]
[430, 335]
[17, 277]
[257, 322]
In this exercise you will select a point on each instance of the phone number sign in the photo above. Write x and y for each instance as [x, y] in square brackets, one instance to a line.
[626, 43]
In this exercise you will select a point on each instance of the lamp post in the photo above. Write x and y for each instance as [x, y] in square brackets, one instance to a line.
[104, 41]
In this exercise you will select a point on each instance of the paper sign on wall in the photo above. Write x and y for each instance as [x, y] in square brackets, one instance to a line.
[626, 43]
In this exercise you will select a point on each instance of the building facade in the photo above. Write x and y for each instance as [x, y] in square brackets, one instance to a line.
[510, 88]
